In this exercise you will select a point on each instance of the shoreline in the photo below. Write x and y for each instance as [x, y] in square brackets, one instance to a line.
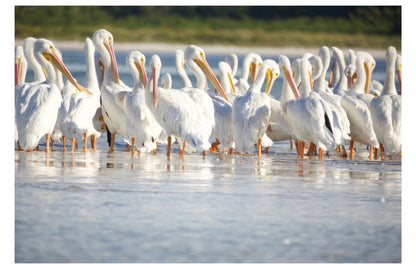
[209, 49]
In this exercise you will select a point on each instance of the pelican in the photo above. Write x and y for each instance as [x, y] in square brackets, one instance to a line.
[180, 68]
[114, 116]
[39, 74]
[354, 104]
[399, 71]
[20, 68]
[141, 124]
[196, 61]
[82, 109]
[37, 110]
[232, 61]
[340, 86]
[250, 67]
[166, 81]
[279, 127]
[386, 111]
[338, 118]
[307, 116]
[251, 112]
[175, 111]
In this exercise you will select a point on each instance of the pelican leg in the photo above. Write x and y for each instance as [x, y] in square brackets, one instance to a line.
[168, 146]
[371, 151]
[291, 144]
[375, 153]
[230, 151]
[182, 152]
[351, 149]
[48, 137]
[259, 147]
[344, 152]
[63, 143]
[113, 137]
[18, 146]
[382, 152]
[266, 150]
[85, 142]
[127, 147]
[312, 148]
[337, 149]
[133, 141]
[155, 150]
[214, 145]
[53, 144]
[93, 142]
[297, 146]
[72, 144]
[321, 153]
[301, 149]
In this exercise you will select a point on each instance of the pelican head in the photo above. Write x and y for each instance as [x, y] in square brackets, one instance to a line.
[155, 66]
[20, 66]
[284, 63]
[272, 73]
[136, 61]
[349, 73]
[103, 41]
[45, 52]
[226, 77]
[195, 56]
[369, 65]
[399, 70]
[317, 68]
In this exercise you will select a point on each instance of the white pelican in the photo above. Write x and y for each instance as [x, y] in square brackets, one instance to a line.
[39, 74]
[251, 112]
[279, 129]
[37, 110]
[166, 81]
[83, 109]
[341, 85]
[307, 116]
[232, 61]
[354, 104]
[142, 126]
[386, 111]
[175, 111]
[223, 131]
[20, 68]
[338, 118]
[196, 61]
[399, 71]
[180, 68]
[114, 116]
[250, 67]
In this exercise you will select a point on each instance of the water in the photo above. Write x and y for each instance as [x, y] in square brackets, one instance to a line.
[115, 207]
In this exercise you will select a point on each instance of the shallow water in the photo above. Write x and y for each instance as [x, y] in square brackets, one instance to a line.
[112, 207]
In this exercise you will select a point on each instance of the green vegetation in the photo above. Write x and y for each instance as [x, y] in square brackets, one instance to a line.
[350, 26]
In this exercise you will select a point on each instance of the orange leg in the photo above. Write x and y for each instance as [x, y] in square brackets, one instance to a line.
[93, 142]
[85, 142]
[230, 151]
[182, 152]
[18, 146]
[321, 153]
[382, 152]
[351, 149]
[127, 147]
[72, 144]
[214, 145]
[113, 137]
[301, 149]
[312, 148]
[344, 152]
[155, 150]
[371, 151]
[337, 149]
[168, 146]
[63, 143]
[291, 144]
[266, 150]
[48, 137]
[133, 141]
[375, 153]
[53, 144]
[259, 147]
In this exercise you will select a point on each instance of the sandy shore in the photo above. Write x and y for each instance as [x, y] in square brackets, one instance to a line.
[209, 49]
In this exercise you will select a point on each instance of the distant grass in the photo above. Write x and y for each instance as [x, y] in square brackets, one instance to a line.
[297, 32]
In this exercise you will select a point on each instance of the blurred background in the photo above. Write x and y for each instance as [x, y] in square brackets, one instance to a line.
[260, 26]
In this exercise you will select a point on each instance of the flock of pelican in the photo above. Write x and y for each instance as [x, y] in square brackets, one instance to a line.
[316, 114]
